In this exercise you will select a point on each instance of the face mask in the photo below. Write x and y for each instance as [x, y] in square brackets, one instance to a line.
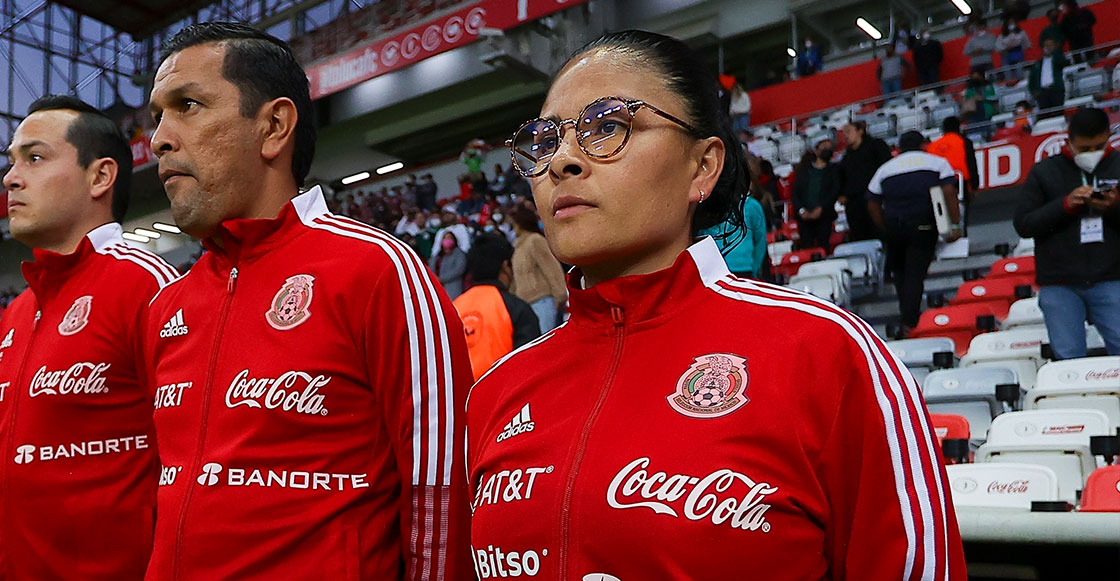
[434, 223]
[808, 44]
[825, 154]
[1014, 29]
[448, 243]
[1088, 160]
[497, 217]
[926, 36]
[1020, 110]
[488, 228]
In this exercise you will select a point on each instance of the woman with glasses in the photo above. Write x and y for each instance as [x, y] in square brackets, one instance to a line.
[685, 423]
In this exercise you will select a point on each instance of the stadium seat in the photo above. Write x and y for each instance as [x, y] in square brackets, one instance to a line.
[792, 262]
[910, 120]
[1004, 485]
[1089, 382]
[778, 249]
[765, 148]
[1010, 98]
[921, 356]
[1014, 266]
[1049, 125]
[1023, 313]
[1000, 291]
[952, 434]
[836, 267]
[977, 394]
[1089, 83]
[942, 111]
[790, 148]
[958, 322]
[871, 252]
[1025, 247]
[1102, 490]
[823, 286]
[1017, 349]
[1058, 438]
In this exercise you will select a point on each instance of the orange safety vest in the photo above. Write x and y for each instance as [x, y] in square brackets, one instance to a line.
[951, 147]
[487, 324]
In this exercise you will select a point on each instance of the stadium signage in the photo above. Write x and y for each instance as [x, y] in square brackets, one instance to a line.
[1007, 162]
[425, 40]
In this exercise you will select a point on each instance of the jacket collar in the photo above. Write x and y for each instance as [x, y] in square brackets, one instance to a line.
[50, 269]
[246, 239]
[645, 297]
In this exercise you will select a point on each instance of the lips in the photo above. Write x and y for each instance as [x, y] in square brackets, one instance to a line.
[168, 173]
[565, 206]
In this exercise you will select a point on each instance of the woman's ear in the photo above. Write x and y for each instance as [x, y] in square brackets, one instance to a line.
[710, 153]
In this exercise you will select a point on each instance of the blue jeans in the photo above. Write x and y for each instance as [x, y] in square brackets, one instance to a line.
[891, 86]
[545, 310]
[1066, 308]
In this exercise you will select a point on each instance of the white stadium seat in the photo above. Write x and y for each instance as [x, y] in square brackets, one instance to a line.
[1023, 312]
[1019, 349]
[1025, 247]
[1089, 382]
[1050, 125]
[969, 392]
[779, 249]
[918, 354]
[823, 286]
[1058, 438]
[1002, 485]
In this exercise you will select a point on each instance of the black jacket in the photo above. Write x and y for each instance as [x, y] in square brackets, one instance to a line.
[1060, 257]
[526, 325]
[928, 55]
[859, 165]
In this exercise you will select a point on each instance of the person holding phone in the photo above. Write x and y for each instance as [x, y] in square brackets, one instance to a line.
[1071, 207]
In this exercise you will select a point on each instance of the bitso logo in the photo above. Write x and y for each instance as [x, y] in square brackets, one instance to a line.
[713, 386]
[520, 424]
[25, 454]
[492, 562]
[209, 476]
[77, 317]
[292, 304]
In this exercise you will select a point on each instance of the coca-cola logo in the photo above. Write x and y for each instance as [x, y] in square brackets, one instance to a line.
[1026, 344]
[292, 391]
[1099, 375]
[1058, 430]
[81, 378]
[1013, 487]
[723, 496]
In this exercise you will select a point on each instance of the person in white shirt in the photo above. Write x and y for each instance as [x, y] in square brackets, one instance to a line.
[1045, 81]
[740, 109]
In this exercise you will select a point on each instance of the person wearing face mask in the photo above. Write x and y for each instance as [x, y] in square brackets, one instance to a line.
[1077, 26]
[450, 264]
[979, 48]
[809, 61]
[1071, 207]
[1012, 44]
[816, 185]
[1053, 30]
[928, 54]
[1045, 80]
[892, 68]
[979, 102]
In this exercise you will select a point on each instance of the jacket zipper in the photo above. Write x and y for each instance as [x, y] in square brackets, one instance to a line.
[14, 390]
[224, 313]
[618, 317]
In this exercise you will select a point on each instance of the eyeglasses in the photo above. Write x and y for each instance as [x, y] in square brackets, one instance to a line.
[602, 129]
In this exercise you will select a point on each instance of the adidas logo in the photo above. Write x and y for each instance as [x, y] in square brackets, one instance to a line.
[520, 424]
[8, 339]
[175, 327]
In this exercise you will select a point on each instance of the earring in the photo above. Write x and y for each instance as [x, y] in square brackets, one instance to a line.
[701, 197]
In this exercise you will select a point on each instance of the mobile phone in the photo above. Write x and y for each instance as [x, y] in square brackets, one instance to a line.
[1097, 194]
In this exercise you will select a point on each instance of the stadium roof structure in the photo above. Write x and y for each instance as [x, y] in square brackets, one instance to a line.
[139, 18]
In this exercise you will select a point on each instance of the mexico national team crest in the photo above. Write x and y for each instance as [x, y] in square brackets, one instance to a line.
[713, 386]
[292, 304]
[77, 317]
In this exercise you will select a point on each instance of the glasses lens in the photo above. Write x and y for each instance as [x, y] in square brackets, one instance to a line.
[603, 128]
[534, 145]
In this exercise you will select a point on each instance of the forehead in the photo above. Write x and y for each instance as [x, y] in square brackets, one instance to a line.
[1081, 140]
[201, 62]
[47, 126]
[602, 73]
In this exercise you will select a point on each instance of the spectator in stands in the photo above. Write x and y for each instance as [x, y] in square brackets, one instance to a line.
[978, 104]
[1024, 117]
[928, 55]
[538, 277]
[816, 186]
[1012, 44]
[425, 240]
[1070, 206]
[861, 159]
[959, 151]
[426, 193]
[449, 265]
[764, 188]
[1053, 30]
[743, 244]
[472, 158]
[979, 47]
[809, 61]
[903, 38]
[892, 68]
[900, 206]
[495, 320]
[1077, 27]
[1017, 10]
[411, 224]
[1045, 82]
[740, 108]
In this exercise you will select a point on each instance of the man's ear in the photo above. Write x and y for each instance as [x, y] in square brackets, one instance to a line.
[279, 117]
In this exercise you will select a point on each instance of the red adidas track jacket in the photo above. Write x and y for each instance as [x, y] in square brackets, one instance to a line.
[308, 378]
[78, 461]
[688, 424]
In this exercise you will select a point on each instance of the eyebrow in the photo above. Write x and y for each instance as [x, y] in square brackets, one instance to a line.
[23, 148]
[178, 91]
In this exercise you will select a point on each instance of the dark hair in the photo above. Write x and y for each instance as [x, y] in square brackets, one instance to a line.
[911, 141]
[951, 124]
[262, 67]
[525, 218]
[95, 136]
[860, 125]
[487, 255]
[1088, 122]
[689, 78]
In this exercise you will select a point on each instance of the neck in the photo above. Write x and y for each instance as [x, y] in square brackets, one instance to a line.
[68, 242]
[658, 259]
[820, 163]
[269, 200]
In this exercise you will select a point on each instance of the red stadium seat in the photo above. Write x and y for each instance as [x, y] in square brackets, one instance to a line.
[792, 262]
[999, 291]
[958, 322]
[1102, 490]
[954, 429]
[1015, 266]
[836, 239]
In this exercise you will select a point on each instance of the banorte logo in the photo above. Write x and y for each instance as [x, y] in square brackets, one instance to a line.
[704, 498]
[293, 391]
[80, 378]
[209, 476]
[25, 454]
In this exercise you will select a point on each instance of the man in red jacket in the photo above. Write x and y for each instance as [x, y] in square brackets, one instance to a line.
[78, 466]
[310, 382]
